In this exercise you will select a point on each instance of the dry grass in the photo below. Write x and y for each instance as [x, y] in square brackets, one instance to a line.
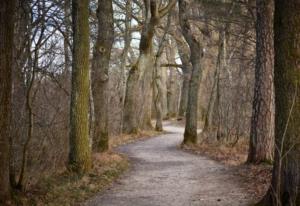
[67, 189]
[227, 153]
[254, 178]
[129, 138]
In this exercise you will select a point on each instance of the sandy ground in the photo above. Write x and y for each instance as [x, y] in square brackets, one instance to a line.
[164, 175]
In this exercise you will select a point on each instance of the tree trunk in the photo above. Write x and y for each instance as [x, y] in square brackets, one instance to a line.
[209, 117]
[190, 133]
[159, 96]
[172, 90]
[284, 190]
[137, 106]
[186, 70]
[80, 151]
[127, 43]
[262, 122]
[100, 74]
[139, 83]
[6, 65]
[158, 80]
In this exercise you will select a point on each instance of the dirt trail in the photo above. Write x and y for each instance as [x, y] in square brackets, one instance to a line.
[163, 175]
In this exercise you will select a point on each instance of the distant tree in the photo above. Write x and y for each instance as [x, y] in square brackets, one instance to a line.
[100, 76]
[262, 122]
[284, 190]
[190, 132]
[184, 55]
[80, 151]
[7, 9]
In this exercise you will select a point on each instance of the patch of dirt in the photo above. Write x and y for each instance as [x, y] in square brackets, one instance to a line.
[163, 175]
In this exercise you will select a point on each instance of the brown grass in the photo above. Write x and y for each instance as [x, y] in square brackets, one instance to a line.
[129, 138]
[66, 188]
[227, 153]
[255, 178]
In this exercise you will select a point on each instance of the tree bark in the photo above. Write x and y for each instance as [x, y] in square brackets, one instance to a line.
[262, 122]
[137, 105]
[100, 74]
[186, 70]
[284, 190]
[138, 79]
[158, 80]
[190, 132]
[172, 80]
[7, 9]
[80, 151]
[212, 104]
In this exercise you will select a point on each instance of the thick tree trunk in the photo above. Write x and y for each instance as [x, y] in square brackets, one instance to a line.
[190, 133]
[130, 122]
[21, 54]
[137, 106]
[80, 151]
[284, 190]
[262, 122]
[100, 72]
[7, 9]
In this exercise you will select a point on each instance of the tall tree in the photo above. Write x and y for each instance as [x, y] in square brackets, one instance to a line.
[80, 151]
[6, 54]
[137, 105]
[100, 76]
[190, 132]
[262, 122]
[284, 190]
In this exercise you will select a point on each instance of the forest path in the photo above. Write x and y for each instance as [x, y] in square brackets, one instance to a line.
[164, 175]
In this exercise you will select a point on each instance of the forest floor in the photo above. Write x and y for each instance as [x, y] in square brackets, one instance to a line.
[162, 174]
[65, 188]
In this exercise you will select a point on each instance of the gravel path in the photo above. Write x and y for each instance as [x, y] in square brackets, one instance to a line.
[163, 175]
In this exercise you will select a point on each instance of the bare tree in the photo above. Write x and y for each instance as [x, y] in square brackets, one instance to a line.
[190, 133]
[138, 101]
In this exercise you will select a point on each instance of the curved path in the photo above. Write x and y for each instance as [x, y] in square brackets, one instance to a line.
[163, 175]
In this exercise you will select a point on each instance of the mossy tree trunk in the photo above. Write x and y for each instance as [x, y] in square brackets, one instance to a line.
[80, 151]
[100, 74]
[7, 9]
[262, 122]
[190, 132]
[284, 190]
